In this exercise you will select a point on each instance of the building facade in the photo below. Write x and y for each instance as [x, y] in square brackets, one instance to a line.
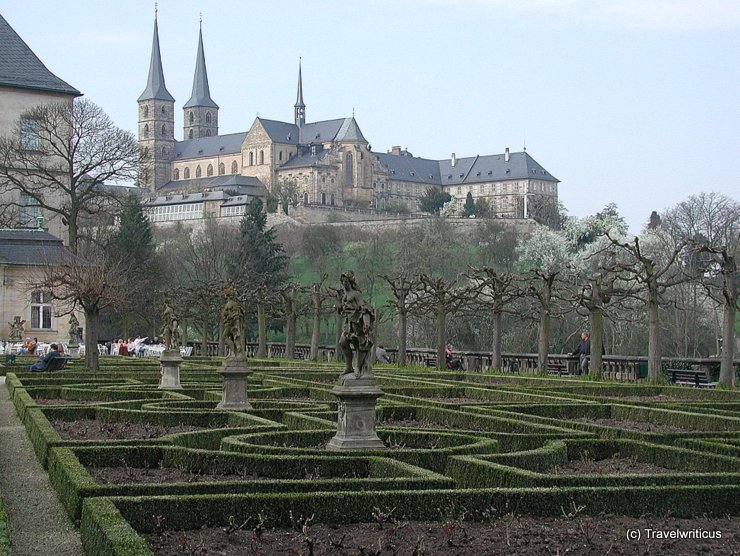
[327, 162]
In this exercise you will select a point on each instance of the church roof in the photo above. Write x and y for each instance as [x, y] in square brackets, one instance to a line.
[236, 182]
[209, 146]
[201, 95]
[33, 248]
[20, 67]
[155, 86]
[350, 131]
[475, 169]
[305, 160]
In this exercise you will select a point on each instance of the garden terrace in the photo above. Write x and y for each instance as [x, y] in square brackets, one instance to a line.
[460, 447]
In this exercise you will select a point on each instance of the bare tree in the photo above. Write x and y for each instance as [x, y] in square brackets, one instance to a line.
[402, 285]
[292, 309]
[62, 162]
[318, 294]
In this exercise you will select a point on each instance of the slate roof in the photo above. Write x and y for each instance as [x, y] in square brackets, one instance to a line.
[475, 169]
[305, 160]
[210, 146]
[235, 182]
[32, 248]
[313, 132]
[20, 67]
[350, 131]
[155, 86]
[201, 95]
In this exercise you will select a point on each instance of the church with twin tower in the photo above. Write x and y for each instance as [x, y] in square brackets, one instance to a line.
[330, 162]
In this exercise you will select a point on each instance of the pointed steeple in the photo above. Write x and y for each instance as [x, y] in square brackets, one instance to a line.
[300, 107]
[201, 95]
[155, 87]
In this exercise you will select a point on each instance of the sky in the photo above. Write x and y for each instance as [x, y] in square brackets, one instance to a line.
[633, 102]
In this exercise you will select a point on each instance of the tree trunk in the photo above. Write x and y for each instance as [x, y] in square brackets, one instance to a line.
[184, 337]
[261, 332]
[204, 341]
[496, 357]
[92, 361]
[543, 337]
[315, 333]
[338, 321]
[654, 365]
[290, 323]
[441, 339]
[125, 325]
[402, 327]
[597, 340]
[727, 369]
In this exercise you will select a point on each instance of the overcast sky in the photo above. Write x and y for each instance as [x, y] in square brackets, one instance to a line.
[635, 102]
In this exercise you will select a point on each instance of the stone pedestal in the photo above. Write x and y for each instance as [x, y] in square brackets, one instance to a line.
[73, 350]
[235, 372]
[356, 419]
[170, 370]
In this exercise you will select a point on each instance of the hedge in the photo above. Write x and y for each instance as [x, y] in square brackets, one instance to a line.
[4, 534]
[104, 531]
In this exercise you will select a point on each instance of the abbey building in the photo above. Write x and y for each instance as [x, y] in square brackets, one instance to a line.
[328, 162]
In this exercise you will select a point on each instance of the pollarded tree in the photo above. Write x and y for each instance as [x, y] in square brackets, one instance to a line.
[402, 286]
[63, 161]
[543, 258]
[649, 266]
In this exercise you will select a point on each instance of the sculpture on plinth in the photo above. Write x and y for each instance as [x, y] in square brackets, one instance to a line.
[356, 388]
[234, 368]
[74, 330]
[357, 339]
[170, 359]
[16, 330]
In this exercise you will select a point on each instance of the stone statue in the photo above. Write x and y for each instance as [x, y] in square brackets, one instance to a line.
[232, 324]
[170, 327]
[16, 330]
[74, 329]
[359, 328]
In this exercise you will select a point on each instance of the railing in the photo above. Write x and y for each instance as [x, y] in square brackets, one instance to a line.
[616, 367]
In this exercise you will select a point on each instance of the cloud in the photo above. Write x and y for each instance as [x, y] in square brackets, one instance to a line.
[679, 15]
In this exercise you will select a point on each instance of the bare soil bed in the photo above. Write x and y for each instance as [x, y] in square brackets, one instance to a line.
[633, 425]
[509, 534]
[91, 429]
[614, 465]
[126, 475]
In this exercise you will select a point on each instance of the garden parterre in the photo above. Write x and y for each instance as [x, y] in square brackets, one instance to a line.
[477, 444]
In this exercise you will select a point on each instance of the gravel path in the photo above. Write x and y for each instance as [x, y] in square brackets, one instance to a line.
[37, 522]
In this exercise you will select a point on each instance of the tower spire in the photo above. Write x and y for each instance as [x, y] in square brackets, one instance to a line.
[300, 107]
[200, 112]
[155, 86]
[201, 95]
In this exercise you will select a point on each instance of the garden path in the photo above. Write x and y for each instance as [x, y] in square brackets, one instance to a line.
[37, 521]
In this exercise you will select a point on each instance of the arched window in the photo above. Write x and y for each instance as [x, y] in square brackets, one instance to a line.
[190, 117]
[332, 199]
[186, 173]
[190, 134]
[251, 158]
[197, 171]
[234, 167]
[348, 173]
[280, 156]
[208, 132]
[262, 157]
[146, 111]
[164, 152]
[323, 198]
[146, 130]
[164, 111]
[209, 170]
[221, 169]
[176, 174]
[208, 117]
[164, 131]
[305, 198]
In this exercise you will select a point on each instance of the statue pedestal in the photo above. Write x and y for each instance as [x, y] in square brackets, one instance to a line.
[73, 350]
[356, 419]
[235, 372]
[170, 370]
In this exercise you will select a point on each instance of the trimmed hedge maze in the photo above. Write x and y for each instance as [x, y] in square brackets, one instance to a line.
[128, 459]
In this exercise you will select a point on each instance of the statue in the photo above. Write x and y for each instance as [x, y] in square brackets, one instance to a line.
[359, 328]
[16, 330]
[170, 327]
[232, 324]
[74, 329]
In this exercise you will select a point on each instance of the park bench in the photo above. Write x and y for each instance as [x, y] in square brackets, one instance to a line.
[690, 377]
[54, 364]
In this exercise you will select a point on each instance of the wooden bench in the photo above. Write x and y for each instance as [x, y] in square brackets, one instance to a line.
[690, 377]
[53, 364]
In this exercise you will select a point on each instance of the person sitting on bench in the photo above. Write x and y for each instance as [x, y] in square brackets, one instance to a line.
[451, 362]
[43, 363]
